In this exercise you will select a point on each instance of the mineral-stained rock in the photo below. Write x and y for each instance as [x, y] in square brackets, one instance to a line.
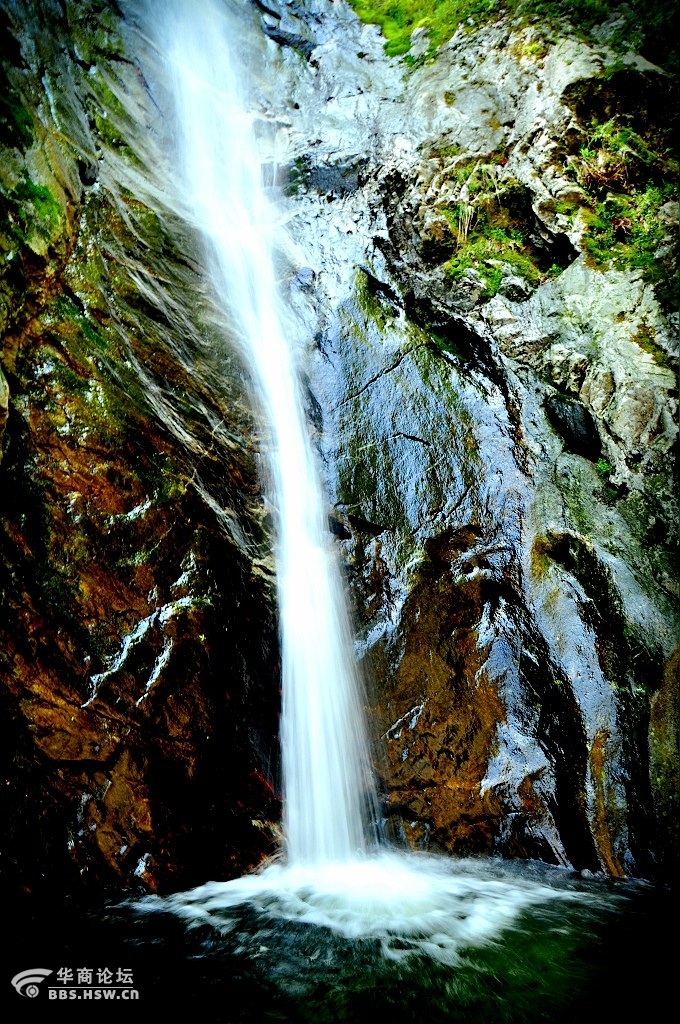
[138, 654]
[4, 407]
[664, 739]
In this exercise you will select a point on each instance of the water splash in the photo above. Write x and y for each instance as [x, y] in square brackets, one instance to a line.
[407, 905]
[329, 795]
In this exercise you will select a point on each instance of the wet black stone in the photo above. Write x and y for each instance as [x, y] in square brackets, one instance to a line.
[338, 528]
[575, 425]
[303, 46]
[334, 179]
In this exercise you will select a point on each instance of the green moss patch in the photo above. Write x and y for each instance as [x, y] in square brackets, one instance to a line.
[627, 178]
[398, 19]
[31, 215]
[491, 231]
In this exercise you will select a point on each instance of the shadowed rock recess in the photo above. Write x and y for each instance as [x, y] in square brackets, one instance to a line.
[483, 249]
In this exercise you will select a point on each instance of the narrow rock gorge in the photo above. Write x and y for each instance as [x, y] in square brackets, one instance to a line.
[483, 247]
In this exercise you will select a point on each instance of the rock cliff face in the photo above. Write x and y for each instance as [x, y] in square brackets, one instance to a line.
[484, 261]
[138, 646]
[496, 369]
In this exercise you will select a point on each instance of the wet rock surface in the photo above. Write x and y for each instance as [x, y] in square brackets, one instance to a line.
[138, 652]
[514, 575]
[497, 441]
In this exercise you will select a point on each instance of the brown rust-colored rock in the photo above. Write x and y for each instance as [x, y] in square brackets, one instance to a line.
[438, 749]
[605, 814]
[138, 653]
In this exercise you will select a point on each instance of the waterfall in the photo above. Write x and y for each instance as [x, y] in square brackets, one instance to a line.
[329, 796]
[336, 902]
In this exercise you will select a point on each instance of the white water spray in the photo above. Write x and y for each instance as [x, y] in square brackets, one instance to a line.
[329, 800]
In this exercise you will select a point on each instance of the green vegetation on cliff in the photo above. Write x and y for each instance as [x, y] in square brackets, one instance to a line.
[30, 214]
[398, 19]
[490, 227]
[630, 184]
[619, 202]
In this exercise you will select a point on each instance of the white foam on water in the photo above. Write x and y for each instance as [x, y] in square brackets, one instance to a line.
[408, 903]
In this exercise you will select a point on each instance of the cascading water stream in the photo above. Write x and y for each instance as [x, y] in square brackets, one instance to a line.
[335, 884]
[329, 798]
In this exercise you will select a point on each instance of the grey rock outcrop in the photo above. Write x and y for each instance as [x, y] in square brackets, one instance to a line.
[502, 465]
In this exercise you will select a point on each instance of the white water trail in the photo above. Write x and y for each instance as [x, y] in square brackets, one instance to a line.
[329, 799]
